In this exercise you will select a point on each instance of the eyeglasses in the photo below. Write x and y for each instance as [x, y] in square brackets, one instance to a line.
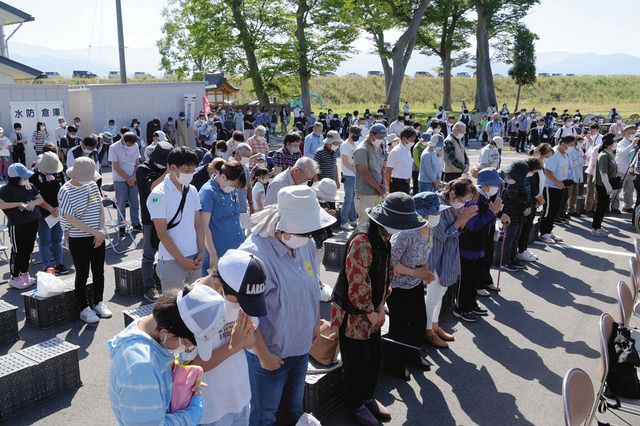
[307, 235]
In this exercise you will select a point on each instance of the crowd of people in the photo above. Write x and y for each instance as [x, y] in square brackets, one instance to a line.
[233, 235]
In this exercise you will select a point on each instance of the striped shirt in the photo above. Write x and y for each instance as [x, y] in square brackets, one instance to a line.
[39, 139]
[82, 202]
[326, 159]
[444, 258]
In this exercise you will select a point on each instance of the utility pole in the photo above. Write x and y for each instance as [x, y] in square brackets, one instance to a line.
[123, 68]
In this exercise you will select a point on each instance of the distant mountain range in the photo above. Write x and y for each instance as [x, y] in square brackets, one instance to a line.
[102, 59]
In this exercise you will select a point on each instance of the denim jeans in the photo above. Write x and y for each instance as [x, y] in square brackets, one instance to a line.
[426, 186]
[276, 396]
[49, 240]
[348, 210]
[148, 256]
[125, 193]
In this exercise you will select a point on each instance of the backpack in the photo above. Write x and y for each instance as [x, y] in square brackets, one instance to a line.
[622, 379]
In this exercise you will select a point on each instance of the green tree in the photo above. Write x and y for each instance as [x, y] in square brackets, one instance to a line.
[494, 17]
[321, 41]
[523, 62]
[444, 32]
[378, 16]
[239, 37]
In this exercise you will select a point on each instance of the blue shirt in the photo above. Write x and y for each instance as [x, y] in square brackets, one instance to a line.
[431, 166]
[292, 294]
[558, 164]
[444, 258]
[225, 219]
[312, 143]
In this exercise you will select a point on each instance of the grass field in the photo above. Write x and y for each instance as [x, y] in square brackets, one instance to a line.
[591, 94]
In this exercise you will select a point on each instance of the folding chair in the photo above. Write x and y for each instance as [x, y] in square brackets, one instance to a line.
[3, 230]
[610, 401]
[117, 222]
[636, 246]
[634, 273]
[578, 398]
[625, 303]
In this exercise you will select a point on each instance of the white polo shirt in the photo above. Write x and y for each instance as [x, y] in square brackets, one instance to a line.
[401, 162]
[163, 203]
[126, 157]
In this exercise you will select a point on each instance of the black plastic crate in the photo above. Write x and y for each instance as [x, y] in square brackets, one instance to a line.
[16, 385]
[128, 277]
[44, 313]
[8, 323]
[334, 252]
[57, 369]
[131, 315]
[323, 393]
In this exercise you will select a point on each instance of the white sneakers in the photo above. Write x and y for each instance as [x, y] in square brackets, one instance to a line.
[102, 310]
[92, 316]
[556, 238]
[87, 315]
[527, 256]
[599, 232]
[346, 227]
[547, 239]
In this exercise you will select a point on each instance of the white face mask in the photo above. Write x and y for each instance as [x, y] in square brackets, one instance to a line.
[87, 151]
[570, 150]
[433, 220]
[492, 191]
[182, 348]
[409, 145]
[295, 150]
[379, 142]
[457, 205]
[185, 178]
[24, 182]
[295, 241]
[228, 189]
[391, 230]
[244, 161]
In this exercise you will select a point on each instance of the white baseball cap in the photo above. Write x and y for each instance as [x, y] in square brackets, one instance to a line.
[203, 312]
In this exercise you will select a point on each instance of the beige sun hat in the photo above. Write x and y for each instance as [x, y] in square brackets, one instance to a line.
[48, 162]
[83, 170]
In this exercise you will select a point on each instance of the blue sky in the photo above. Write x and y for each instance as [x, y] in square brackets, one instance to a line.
[576, 26]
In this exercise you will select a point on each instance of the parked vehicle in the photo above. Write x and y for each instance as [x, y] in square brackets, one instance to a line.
[463, 74]
[353, 74]
[84, 74]
[114, 74]
[372, 73]
[51, 74]
[140, 74]
[556, 74]
[422, 74]
[543, 74]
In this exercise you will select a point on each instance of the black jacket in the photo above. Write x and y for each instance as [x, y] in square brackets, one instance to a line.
[536, 139]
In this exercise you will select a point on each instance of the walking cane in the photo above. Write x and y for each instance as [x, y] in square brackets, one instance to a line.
[503, 235]
[615, 197]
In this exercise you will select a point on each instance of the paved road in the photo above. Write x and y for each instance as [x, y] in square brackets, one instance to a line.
[505, 369]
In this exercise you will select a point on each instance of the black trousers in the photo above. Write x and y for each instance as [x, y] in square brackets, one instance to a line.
[601, 206]
[562, 210]
[85, 256]
[414, 180]
[487, 260]
[522, 140]
[527, 224]
[19, 157]
[23, 237]
[469, 283]
[407, 322]
[451, 176]
[400, 185]
[511, 238]
[361, 361]
[552, 197]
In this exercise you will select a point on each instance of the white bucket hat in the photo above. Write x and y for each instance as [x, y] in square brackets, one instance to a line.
[83, 170]
[299, 211]
[326, 190]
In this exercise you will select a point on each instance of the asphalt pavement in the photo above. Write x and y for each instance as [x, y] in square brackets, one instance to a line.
[505, 369]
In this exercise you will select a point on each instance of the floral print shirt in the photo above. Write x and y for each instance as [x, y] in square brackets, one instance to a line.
[410, 249]
[357, 265]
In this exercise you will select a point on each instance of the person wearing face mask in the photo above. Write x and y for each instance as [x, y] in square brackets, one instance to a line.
[289, 153]
[281, 238]
[626, 150]
[565, 130]
[258, 143]
[249, 124]
[220, 201]
[607, 177]
[124, 157]
[182, 129]
[539, 134]
[517, 205]
[304, 170]
[399, 167]
[456, 161]
[617, 126]
[348, 167]
[148, 175]
[259, 187]
[39, 137]
[495, 127]
[152, 127]
[69, 141]
[576, 174]
[174, 207]
[169, 129]
[444, 259]
[314, 140]
[240, 279]
[431, 166]
[19, 201]
[61, 131]
[368, 159]
[359, 296]
[396, 126]
[536, 168]
[208, 132]
[143, 355]
[490, 156]
[593, 141]
[244, 154]
[82, 213]
[327, 155]
[556, 172]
